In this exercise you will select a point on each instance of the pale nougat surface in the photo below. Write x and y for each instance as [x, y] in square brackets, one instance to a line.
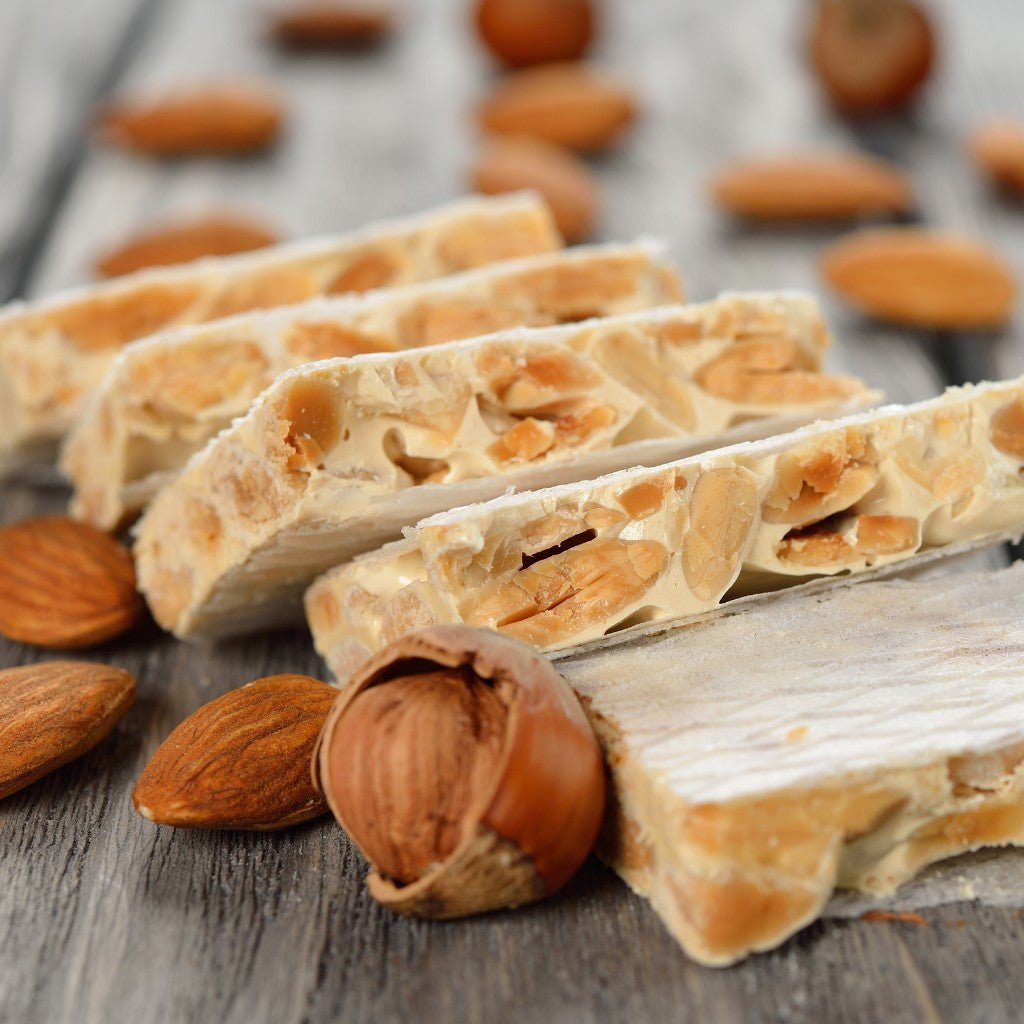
[567, 565]
[54, 352]
[338, 456]
[842, 738]
[163, 398]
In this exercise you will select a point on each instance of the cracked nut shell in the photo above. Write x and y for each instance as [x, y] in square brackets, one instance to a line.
[464, 769]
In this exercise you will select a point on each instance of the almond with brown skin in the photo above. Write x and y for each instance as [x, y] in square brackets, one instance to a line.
[214, 235]
[332, 24]
[241, 761]
[463, 767]
[511, 164]
[226, 119]
[922, 278]
[524, 32]
[998, 149]
[569, 104]
[54, 712]
[64, 584]
[871, 56]
[806, 187]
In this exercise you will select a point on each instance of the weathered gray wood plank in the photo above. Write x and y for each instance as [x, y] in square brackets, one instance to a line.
[105, 917]
[55, 59]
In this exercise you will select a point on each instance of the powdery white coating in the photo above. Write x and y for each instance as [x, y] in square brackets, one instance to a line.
[888, 674]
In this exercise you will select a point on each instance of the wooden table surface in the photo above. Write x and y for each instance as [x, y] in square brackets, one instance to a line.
[107, 918]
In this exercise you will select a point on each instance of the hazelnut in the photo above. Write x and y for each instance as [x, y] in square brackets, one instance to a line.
[525, 32]
[871, 56]
[462, 766]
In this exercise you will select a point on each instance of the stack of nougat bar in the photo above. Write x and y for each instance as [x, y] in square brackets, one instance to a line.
[675, 500]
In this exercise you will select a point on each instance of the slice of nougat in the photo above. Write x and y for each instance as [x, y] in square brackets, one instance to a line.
[563, 566]
[164, 398]
[54, 352]
[337, 457]
[846, 740]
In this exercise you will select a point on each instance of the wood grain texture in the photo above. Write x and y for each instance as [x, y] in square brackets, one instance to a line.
[55, 59]
[105, 917]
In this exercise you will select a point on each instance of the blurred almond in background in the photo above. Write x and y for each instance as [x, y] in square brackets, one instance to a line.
[332, 24]
[998, 149]
[226, 118]
[509, 164]
[180, 241]
[922, 278]
[811, 187]
[572, 105]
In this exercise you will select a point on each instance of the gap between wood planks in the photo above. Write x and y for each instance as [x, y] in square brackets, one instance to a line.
[26, 255]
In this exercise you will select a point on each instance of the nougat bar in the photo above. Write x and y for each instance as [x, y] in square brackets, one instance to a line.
[569, 564]
[54, 352]
[164, 398]
[336, 457]
[842, 739]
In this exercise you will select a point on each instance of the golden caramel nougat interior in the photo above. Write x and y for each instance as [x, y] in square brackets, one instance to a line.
[338, 456]
[567, 565]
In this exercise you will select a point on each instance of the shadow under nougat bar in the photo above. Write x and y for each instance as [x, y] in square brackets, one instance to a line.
[845, 739]
[165, 397]
[337, 457]
[645, 548]
[55, 351]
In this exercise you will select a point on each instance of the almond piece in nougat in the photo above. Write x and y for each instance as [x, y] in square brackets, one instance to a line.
[644, 548]
[338, 456]
[164, 398]
[765, 758]
[55, 351]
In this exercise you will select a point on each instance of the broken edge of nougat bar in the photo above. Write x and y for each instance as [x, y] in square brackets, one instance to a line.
[165, 397]
[803, 744]
[54, 351]
[636, 549]
[338, 456]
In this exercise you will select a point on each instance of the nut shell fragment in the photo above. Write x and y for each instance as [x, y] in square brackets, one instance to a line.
[526, 829]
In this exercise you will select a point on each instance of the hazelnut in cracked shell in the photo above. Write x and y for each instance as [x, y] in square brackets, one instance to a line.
[462, 766]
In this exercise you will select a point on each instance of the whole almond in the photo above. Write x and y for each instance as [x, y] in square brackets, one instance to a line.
[922, 278]
[524, 32]
[570, 104]
[332, 24]
[53, 712]
[241, 761]
[229, 119]
[811, 187]
[510, 164]
[215, 235]
[64, 584]
[998, 149]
